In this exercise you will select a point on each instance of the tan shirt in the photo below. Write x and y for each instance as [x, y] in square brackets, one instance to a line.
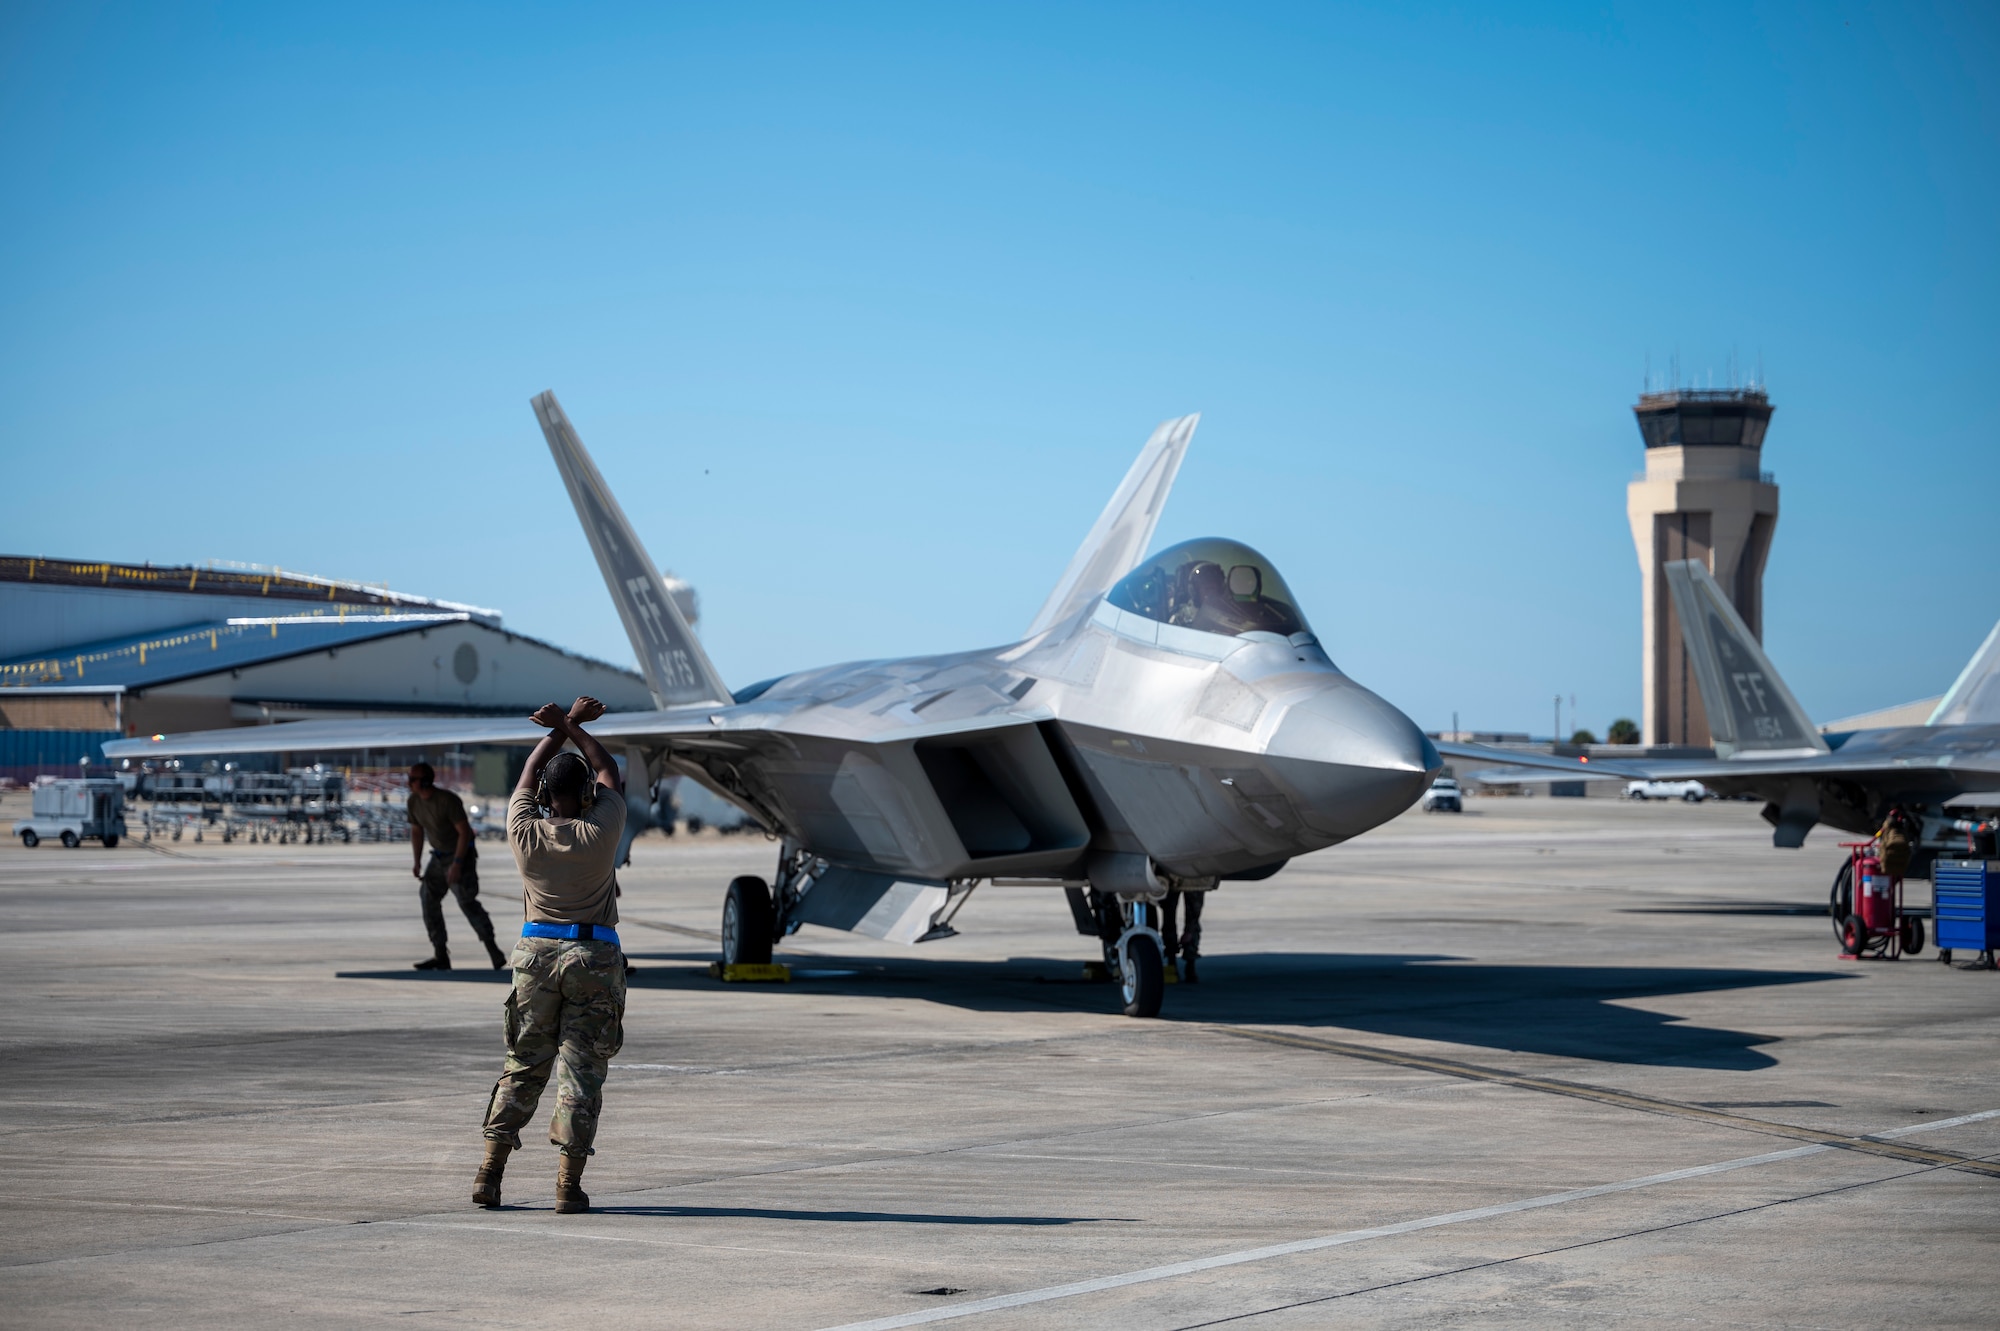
[439, 816]
[566, 863]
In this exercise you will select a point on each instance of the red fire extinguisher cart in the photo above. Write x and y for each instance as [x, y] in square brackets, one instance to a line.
[1878, 926]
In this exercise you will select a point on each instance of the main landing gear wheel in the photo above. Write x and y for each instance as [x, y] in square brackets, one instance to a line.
[748, 922]
[1143, 977]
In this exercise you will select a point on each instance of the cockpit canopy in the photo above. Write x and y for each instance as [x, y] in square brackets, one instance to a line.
[1212, 585]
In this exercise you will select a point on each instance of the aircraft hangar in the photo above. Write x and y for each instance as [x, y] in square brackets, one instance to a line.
[91, 651]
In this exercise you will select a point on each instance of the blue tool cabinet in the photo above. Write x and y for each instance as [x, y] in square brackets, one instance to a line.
[1966, 914]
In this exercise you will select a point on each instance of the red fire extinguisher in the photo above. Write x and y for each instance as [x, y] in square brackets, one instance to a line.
[1876, 899]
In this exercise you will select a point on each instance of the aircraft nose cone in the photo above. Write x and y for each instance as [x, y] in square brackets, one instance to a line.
[1354, 760]
[1348, 725]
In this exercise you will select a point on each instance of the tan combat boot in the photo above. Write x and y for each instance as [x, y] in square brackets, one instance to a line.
[486, 1183]
[570, 1196]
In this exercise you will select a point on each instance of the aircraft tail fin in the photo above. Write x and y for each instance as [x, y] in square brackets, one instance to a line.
[1749, 708]
[1124, 529]
[677, 670]
[1974, 699]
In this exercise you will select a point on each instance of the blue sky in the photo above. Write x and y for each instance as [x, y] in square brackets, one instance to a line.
[864, 310]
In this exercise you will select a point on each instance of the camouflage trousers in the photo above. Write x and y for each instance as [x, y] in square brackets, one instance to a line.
[436, 885]
[566, 1015]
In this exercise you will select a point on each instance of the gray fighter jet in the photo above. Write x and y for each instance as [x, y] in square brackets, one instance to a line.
[1767, 746]
[1166, 724]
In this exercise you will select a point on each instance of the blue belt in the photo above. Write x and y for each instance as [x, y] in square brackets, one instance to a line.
[581, 933]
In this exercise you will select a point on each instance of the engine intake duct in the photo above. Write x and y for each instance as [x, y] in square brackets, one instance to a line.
[1006, 799]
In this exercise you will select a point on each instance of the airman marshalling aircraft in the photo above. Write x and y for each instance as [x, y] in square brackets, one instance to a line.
[1167, 723]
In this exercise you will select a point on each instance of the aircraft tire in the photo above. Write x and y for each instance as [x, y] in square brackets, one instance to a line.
[747, 923]
[1145, 983]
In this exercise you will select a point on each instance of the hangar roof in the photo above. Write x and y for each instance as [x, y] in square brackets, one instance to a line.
[192, 650]
[217, 579]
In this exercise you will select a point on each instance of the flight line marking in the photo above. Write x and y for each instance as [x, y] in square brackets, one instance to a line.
[1000, 1302]
[1597, 1242]
[1872, 1144]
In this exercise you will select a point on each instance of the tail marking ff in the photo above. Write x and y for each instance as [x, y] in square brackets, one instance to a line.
[1124, 529]
[1749, 708]
[677, 670]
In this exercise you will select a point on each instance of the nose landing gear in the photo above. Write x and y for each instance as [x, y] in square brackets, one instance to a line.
[1142, 976]
[1129, 928]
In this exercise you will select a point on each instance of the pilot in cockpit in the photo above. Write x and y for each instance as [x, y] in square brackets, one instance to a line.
[1212, 586]
[1217, 602]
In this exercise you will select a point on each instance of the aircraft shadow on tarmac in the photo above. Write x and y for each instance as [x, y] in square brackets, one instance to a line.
[1562, 1011]
[464, 975]
[487, 975]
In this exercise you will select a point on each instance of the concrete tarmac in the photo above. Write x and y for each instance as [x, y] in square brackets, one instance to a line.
[1548, 1063]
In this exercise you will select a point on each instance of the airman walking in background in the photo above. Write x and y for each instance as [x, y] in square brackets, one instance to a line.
[439, 815]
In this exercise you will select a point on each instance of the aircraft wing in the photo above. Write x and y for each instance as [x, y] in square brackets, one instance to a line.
[1881, 755]
[1124, 529]
[1875, 751]
[1537, 776]
[402, 734]
[1543, 766]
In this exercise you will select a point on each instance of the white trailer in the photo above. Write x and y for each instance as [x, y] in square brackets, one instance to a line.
[75, 811]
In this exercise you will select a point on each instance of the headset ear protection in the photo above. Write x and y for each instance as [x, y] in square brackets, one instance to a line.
[589, 796]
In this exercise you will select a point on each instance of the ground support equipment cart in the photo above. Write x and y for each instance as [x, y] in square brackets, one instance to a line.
[1967, 909]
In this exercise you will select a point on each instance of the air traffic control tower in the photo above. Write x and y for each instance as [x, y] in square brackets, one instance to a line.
[1703, 496]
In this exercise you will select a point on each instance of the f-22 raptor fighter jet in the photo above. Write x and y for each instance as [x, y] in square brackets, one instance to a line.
[1766, 746]
[1166, 724]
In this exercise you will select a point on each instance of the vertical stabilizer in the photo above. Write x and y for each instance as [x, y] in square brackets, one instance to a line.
[677, 670]
[1124, 529]
[1749, 708]
[1974, 699]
